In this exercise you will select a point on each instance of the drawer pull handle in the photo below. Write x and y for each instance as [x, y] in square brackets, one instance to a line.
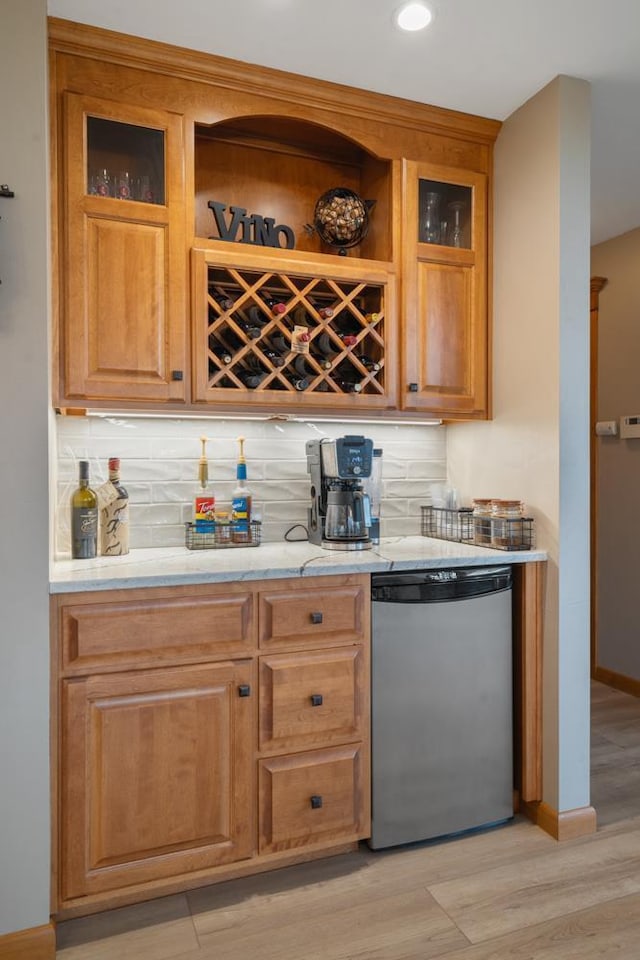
[316, 617]
[316, 802]
[413, 388]
[316, 699]
[244, 690]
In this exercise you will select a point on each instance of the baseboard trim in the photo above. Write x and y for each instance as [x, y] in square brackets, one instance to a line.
[617, 680]
[561, 825]
[36, 943]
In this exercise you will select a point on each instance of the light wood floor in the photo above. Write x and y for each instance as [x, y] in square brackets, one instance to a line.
[511, 892]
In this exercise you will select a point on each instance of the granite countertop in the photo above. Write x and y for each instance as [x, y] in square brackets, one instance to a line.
[174, 566]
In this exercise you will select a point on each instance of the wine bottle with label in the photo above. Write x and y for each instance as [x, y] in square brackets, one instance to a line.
[84, 517]
[114, 514]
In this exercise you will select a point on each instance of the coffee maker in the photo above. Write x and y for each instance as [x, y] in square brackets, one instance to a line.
[339, 515]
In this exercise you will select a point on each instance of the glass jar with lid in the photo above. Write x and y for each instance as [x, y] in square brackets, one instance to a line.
[506, 523]
[482, 521]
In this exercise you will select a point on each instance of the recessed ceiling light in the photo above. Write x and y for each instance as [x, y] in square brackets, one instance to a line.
[413, 16]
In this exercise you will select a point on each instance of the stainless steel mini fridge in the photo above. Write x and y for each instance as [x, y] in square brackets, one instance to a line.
[442, 695]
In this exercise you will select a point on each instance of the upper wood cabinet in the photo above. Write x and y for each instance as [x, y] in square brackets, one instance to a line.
[445, 332]
[123, 325]
[226, 163]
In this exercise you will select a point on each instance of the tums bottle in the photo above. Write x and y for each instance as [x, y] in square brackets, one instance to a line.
[84, 517]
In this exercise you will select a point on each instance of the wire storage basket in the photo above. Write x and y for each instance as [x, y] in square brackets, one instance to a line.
[501, 533]
[224, 535]
[446, 524]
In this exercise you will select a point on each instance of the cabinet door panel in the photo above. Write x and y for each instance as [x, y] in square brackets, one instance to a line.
[123, 329]
[444, 334]
[311, 699]
[313, 797]
[125, 269]
[156, 775]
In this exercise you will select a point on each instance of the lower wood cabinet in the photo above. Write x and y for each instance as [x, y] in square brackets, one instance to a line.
[157, 774]
[200, 735]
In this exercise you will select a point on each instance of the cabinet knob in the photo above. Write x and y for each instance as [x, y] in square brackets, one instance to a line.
[316, 699]
[316, 617]
[316, 802]
[413, 388]
[177, 375]
[244, 690]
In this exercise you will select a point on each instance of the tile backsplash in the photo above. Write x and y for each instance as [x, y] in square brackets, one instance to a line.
[159, 462]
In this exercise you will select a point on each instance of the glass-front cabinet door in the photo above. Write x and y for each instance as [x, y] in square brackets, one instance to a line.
[445, 362]
[123, 328]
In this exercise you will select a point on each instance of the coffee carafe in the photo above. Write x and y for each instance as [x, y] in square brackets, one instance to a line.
[339, 515]
[346, 517]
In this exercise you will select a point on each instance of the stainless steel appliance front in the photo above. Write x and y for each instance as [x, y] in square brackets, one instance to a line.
[441, 703]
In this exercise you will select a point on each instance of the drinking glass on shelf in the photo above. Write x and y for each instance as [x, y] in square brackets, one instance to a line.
[123, 186]
[431, 226]
[103, 183]
[455, 234]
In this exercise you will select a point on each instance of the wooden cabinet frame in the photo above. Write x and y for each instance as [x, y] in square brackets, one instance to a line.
[355, 135]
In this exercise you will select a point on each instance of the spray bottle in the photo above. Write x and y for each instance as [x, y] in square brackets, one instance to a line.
[205, 502]
[241, 502]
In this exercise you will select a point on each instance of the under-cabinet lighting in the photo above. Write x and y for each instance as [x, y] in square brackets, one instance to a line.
[265, 417]
[413, 16]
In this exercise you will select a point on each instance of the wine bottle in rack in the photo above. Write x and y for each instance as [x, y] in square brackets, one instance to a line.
[277, 307]
[369, 362]
[223, 301]
[300, 383]
[346, 378]
[324, 311]
[272, 355]
[280, 344]
[252, 330]
[251, 378]
[347, 328]
[327, 350]
[219, 350]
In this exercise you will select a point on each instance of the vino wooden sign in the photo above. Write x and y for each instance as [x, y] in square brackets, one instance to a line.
[238, 227]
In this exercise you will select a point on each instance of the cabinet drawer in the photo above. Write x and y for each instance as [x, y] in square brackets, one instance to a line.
[146, 632]
[313, 797]
[303, 617]
[312, 699]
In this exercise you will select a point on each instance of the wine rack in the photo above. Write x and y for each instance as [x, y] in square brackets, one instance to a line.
[274, 335]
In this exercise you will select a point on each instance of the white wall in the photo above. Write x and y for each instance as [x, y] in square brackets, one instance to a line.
[537, 446]
[159, 468]
[618, 557]
[24, 402]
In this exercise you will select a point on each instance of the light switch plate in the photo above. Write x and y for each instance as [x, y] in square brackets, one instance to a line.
[607, 428]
